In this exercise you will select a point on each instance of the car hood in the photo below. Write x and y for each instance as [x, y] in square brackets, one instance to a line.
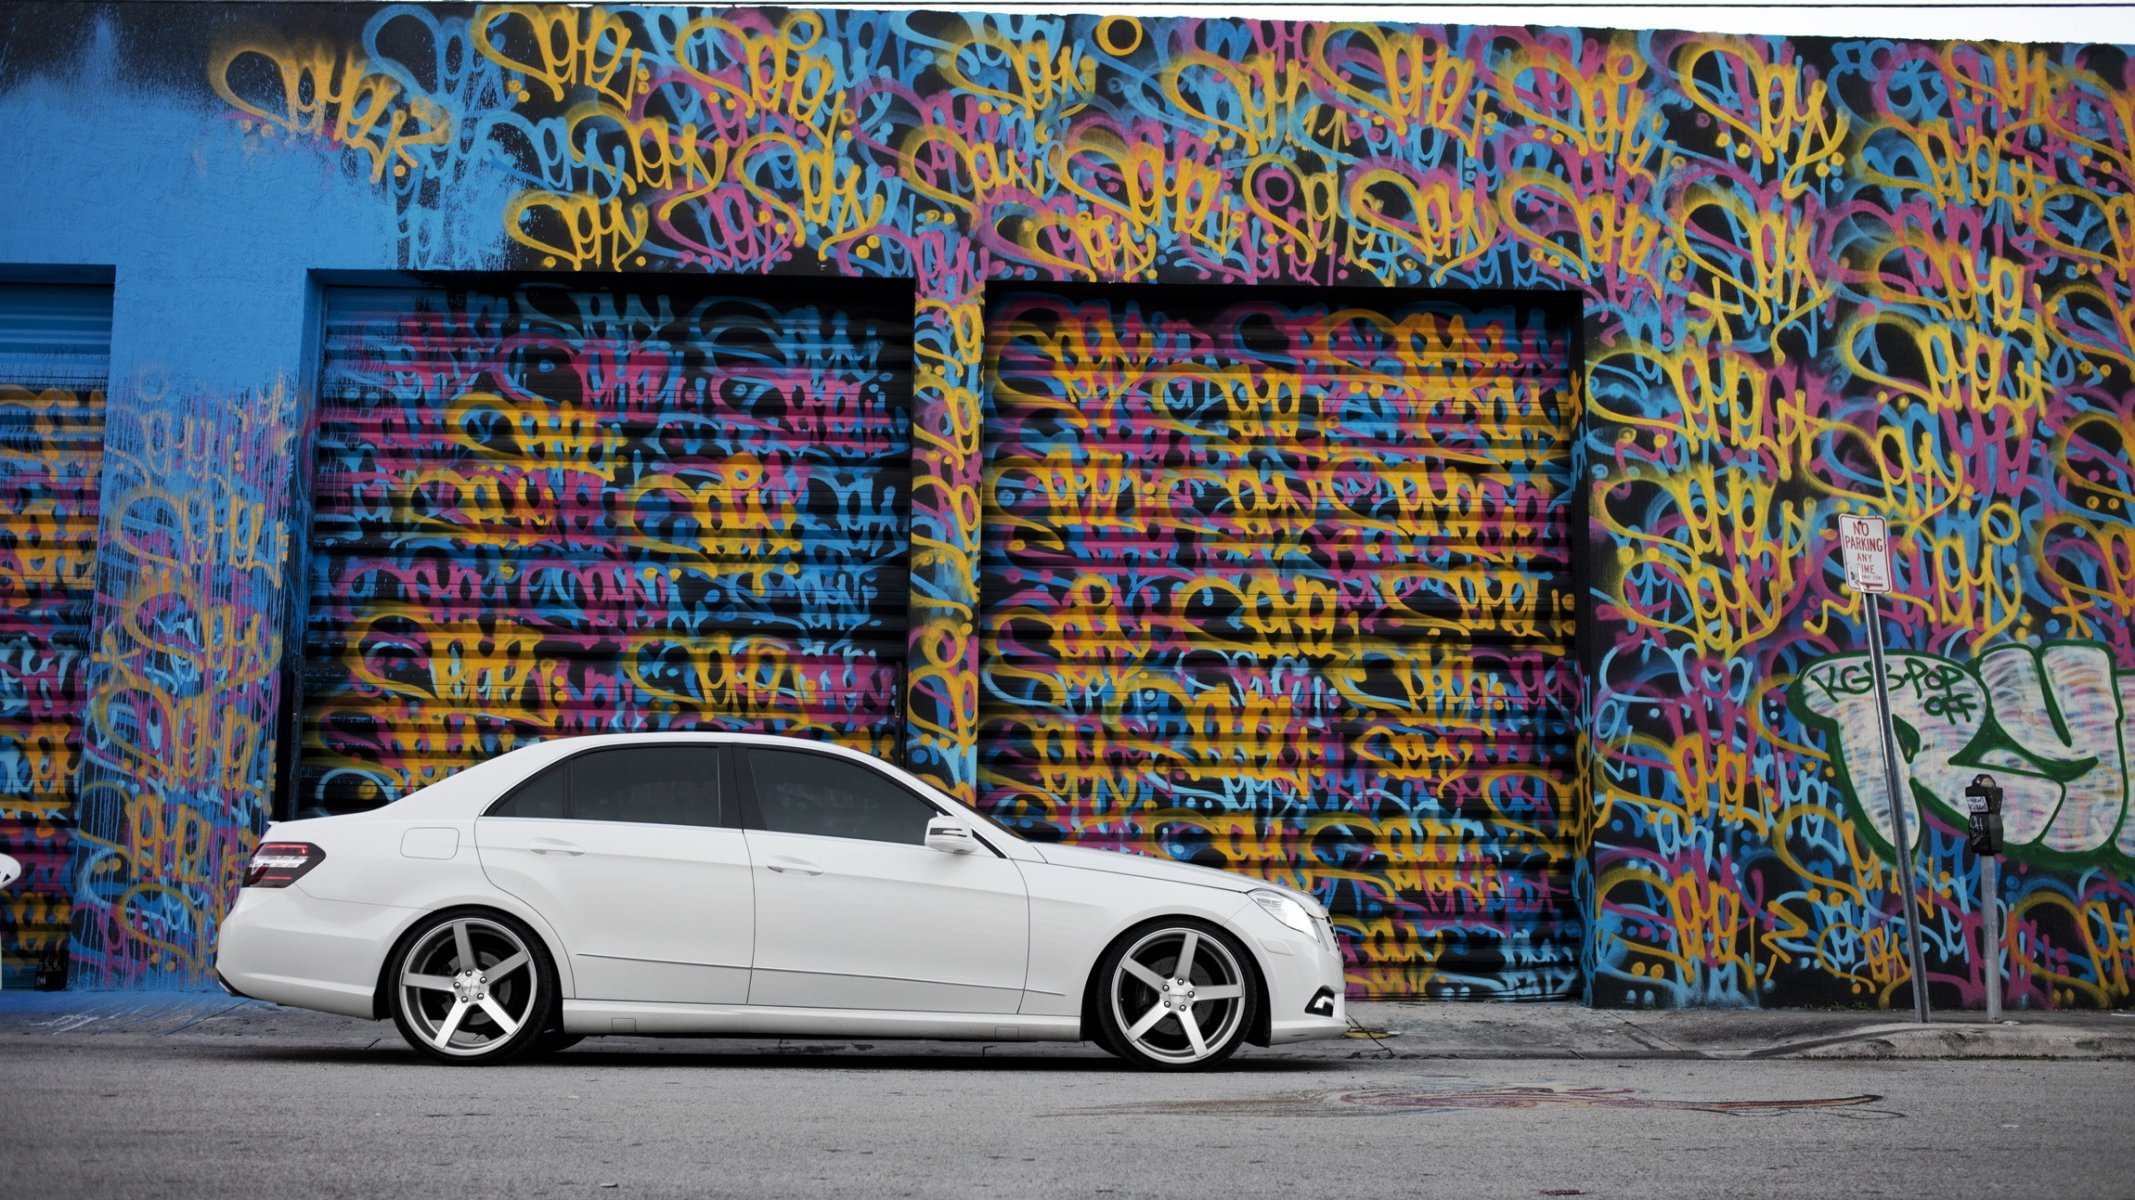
[1145, 867]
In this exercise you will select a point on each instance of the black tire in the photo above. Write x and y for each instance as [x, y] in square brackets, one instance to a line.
[555, 1041]
[1160, 1019]
[468, 1014]
[1096, 1030]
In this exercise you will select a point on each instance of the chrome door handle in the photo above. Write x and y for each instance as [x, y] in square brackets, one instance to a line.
[793, 866]
[550, 846]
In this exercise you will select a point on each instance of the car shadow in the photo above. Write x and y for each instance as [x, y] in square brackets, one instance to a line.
[648, 1054]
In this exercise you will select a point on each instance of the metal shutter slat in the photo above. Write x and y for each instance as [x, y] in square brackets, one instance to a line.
[55, 348]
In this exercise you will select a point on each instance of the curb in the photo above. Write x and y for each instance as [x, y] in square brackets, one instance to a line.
[2008, 1040]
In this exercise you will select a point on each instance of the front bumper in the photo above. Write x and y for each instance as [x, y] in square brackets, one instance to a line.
[1305, 1029]
[1300, 971]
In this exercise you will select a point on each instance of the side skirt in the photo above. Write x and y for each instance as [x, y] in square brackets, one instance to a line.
[594, 1017]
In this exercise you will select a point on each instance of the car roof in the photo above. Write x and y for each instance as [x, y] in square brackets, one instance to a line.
[573, 743]
[533, 756]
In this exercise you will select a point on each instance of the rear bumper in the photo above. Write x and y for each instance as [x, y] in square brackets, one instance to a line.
[287, 947]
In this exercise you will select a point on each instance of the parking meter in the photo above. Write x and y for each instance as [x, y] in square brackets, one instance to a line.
[1983, 808]
[1983, 836]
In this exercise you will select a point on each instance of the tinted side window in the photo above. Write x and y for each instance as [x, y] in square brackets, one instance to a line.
[798, 792]
[541, 796]
[664, 785]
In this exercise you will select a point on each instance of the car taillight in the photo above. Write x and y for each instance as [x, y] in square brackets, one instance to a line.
[279, 864]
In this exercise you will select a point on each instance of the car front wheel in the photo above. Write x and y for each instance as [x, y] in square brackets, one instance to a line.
[1176, 996]
[473, 988]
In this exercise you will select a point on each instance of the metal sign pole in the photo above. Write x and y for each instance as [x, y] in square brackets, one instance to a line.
[1990, 882]
[10, 871]
[1901, 841]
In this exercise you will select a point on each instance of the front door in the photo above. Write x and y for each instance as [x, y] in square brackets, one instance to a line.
[629, 854]
[854, 911]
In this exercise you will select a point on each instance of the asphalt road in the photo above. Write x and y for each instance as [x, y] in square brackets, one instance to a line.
[312, 1107]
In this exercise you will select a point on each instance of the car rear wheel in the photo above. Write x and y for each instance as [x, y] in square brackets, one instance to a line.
[1176, 996]
[473, 988]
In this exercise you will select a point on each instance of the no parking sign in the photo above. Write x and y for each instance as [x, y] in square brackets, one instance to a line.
[1864, 543]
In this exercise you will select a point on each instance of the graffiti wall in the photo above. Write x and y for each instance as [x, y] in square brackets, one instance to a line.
[1811, 277]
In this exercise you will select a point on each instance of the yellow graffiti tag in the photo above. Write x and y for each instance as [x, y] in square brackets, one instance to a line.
[317, 90]
[573, 47]
[1779, 112]
[586, 231]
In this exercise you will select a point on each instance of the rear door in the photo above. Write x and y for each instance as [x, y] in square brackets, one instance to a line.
[631, 854]
[854, 911]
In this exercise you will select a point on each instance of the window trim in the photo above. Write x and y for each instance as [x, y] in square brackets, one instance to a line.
[512, 793]
[753, 818]
[722, 772]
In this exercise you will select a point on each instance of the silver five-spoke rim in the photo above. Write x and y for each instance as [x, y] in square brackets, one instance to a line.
[1178, 995]
[467, 986]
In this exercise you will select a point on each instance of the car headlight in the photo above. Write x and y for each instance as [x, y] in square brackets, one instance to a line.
[1288, 911]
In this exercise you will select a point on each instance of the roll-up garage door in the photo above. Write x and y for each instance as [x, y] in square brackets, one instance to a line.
[545, 510]
[1282, 588]
[55, 349]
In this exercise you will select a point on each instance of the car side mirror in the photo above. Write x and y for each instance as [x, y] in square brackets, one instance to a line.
[950, 836]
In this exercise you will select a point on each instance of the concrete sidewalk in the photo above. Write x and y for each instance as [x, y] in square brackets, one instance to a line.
[1419, 1031]
[1572, 1031]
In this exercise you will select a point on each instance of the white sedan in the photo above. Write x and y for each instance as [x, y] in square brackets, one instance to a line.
[734, 884]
